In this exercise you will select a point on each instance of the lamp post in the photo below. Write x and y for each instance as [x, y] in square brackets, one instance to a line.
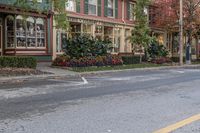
[181, 34]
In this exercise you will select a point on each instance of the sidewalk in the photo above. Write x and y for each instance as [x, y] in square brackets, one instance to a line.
[58, 72]
[45, 67]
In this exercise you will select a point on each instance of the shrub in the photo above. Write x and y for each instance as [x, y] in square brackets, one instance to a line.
[85, 46]
[18, 62]
[61, 60]
[131, 59]
[156, 51]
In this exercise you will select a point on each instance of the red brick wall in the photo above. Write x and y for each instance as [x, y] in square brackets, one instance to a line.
[102, 17]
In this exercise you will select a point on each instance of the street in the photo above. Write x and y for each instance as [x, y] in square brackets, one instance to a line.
[134, 101]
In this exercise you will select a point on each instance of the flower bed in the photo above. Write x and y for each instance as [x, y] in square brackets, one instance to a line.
[109, 60]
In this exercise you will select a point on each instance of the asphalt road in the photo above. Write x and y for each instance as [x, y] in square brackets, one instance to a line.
[120, 102]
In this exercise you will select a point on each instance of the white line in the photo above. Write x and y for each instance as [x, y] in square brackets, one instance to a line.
[84, 80]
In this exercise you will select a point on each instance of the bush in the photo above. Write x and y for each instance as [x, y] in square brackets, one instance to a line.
[18, 62]
[108, 60]
[156, 51]
[85, 46]
[131, 59]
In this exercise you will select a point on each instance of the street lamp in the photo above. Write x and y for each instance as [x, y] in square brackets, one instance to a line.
[181, 34]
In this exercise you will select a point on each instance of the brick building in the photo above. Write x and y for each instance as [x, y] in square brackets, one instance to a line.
[111, 19]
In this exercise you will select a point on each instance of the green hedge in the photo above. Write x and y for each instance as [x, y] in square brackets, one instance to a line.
[131, 60]
[18, 62]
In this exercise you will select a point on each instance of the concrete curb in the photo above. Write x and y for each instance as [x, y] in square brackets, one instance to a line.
[142, 69]
[4, 80]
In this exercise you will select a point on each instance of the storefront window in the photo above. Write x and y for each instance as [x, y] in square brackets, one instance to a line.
[87, 29]
[92, 7]
[40, 32]
[31, 37]
[110, 8]
[29, 32]
[10, 32]
[75, 29]
[108, 33]
[117, 39]
[20, 31]
[99, 32]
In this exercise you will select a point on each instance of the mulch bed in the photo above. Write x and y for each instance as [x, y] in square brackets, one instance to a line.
[7, 72]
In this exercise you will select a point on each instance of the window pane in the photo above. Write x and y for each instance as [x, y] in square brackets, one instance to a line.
[70, 5]
[31, 37]
[92, 9]
[20, 31]
[40, 32]
[10, 31]
[93, 2]
[110, 8]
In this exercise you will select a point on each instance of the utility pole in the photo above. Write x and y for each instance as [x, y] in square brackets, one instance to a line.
[181, 34]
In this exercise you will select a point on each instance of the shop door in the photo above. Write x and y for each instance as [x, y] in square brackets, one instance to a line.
[1, 51]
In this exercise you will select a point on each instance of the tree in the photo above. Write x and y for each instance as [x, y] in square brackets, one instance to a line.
[55, 7]
[141, 32]
[169, 18]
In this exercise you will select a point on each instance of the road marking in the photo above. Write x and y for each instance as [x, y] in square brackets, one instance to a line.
[177, 125]
[84, 80]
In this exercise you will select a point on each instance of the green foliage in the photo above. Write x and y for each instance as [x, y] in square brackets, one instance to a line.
[131, 60]
[84, 46]
[54, 6]
[141, 32]
[17, 62]
[155, 50]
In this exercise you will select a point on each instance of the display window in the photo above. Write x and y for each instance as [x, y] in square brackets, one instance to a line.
[10, 35]
[25, 32]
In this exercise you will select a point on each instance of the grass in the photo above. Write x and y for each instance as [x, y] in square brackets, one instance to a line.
[121, 67]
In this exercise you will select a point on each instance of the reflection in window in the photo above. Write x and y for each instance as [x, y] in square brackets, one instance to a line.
[87, 29]
[131, 13]
[110, 8]
[28, 32]
[71, 5]
[40, 32]
[75, 29]
[92, 7]
[10, 31]
[117, 39]
[31, 38]
[20, 31]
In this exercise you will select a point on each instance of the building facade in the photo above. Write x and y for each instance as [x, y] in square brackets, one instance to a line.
[25, 33]
[102, 19]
